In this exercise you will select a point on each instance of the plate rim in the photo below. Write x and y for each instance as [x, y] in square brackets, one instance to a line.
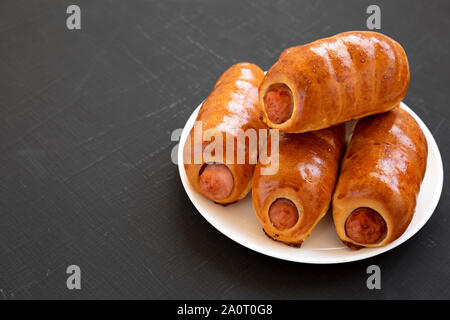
[432, 145]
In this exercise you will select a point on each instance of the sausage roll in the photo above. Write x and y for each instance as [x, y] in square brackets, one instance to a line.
[381, 174]
[231, 109]
[334, 80]
[292, 201]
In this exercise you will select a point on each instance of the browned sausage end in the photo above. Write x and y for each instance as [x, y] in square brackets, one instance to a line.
[366, 226]
[216, 181]
[283, 214]
[278, 103]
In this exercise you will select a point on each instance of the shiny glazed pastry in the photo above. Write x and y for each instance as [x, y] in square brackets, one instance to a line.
[292, 201]
[381, 174]
[333, 80]
[232, 106]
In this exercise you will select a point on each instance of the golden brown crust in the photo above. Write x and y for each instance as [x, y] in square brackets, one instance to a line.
[383, 169]
[232, 105]
[275, 238]
[348, 76]
[308, 167]
[352, 245]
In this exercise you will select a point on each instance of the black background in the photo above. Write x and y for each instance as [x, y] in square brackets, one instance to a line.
[85, 143]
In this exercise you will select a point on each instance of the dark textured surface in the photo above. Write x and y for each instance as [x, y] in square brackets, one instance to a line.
[85, 124]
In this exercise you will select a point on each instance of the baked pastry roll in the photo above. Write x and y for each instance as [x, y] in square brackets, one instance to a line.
[290, 202]
[231, 109]
[333, 80]
[381, 174]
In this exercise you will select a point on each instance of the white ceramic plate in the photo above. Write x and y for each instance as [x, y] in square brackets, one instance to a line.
[238, 221]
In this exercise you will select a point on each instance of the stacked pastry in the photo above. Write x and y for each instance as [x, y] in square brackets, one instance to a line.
[307, 95]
